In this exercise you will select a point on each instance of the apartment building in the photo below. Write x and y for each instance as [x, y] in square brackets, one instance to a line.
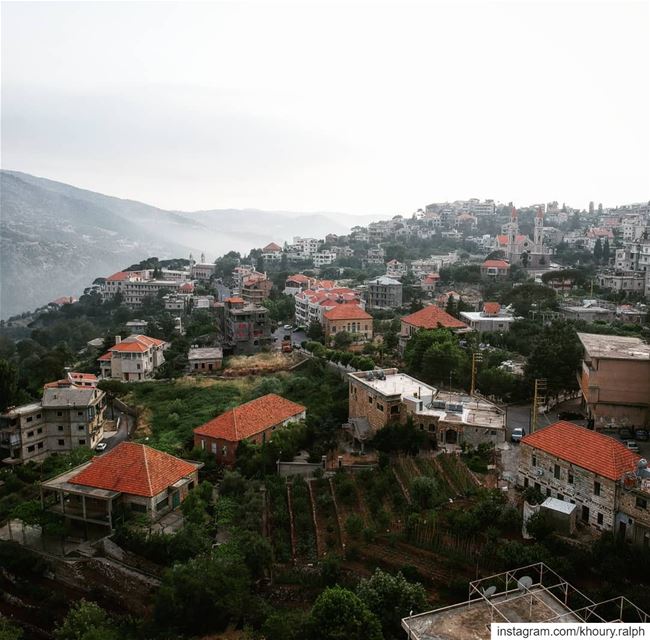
[246, 326]
[256, 288]
[383, 293]
[67, 417]
[202, 271]
[627, 281]
[323, 258]
[395, 269]
[272, 252]
[615, 380]
[378, 398]
[579, 466]
[134, 358]
[135, 290]
[311, 305]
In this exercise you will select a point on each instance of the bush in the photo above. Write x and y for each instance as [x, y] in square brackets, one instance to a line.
[354, 526]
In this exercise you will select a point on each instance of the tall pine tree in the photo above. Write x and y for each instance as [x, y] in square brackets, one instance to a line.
[598, 251]
[606, 251]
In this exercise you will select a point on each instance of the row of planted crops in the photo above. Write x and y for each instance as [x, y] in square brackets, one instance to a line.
[309, 518]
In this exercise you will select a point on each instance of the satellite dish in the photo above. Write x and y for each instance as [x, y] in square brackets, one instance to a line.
[490, 591]
[525, 583]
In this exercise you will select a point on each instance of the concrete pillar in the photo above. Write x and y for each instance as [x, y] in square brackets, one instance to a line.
[83, 506]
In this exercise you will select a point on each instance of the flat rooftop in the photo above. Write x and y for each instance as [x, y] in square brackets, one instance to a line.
[448, 406]
[62, 483]
[200, 353]
[478, 315]
[534, 593]
[614, 347]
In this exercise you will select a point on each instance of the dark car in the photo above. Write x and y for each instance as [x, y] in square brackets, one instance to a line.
[642, 435]
[570, 415]
[626, 434]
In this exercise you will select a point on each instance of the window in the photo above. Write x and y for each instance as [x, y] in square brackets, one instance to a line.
[82, 440]
[596, 488]
[534, 461]
[39, 430]
[570, 478]
[641, 503]
[380, 406]
[40, 445]
[585, 513]
[600, 518]
[31, 448]
[38, 416]
[525, 483]
[556, 471]
[548, 492]
[60, 427]
[370, 399]
[394, 408]
[30, 434]
[30, 418]
[60, 442]
[560, 496]
[214, 447]
[140, 508]
[80, 413]
[59, 413]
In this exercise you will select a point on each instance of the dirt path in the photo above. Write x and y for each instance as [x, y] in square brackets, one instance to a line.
[292, 530]
[320, 540]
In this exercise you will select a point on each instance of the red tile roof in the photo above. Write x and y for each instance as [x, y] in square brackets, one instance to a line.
[432, 317]
[188, 286]
[250, 418]
[107, 356]
[120, 275]
[347, 312]
[136, 344]
[234, 299]
[272, 247]
[64, 300]
[491, 308]
[298, 277]
[135, 469]
[584, 448]
[503, 239]
[498, 264]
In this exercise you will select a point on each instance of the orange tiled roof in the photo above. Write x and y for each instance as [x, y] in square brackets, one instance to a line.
[234, 299]
[135, 469]
[584, 448]
[491, 307]
[498, 264]
[503, 239]
[136, 344]
[120, 275]
[272, 247]
[298, 277]
[250, 418]
[432, 317]
[107, 356]
[347, 312]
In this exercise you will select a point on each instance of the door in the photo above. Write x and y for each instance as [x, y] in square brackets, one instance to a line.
[176, 499]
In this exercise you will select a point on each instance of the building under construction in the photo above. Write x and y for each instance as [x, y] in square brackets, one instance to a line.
[534, 593]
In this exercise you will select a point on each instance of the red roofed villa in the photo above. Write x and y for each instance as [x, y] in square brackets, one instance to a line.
[348, 317]
[579, 466]
[496, 269]
[134, 358]
[130, 476]
[430, 317]
[254, 421]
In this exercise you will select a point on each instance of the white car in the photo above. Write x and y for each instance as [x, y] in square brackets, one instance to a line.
[101, 446]
[517, 434]
[632, 446]
[287, 327]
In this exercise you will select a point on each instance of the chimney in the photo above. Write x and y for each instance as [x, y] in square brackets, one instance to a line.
[118, 339]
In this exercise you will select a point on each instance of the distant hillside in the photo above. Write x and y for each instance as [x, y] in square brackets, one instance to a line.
[55, 239]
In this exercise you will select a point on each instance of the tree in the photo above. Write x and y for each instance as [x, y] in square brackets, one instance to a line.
[8, 384]
[343, 339]
[528, 297]
[606, 251]
[391, 598]
[598, 252]
[315, 331]
[339, 614]
[86, 621]
[425, 492]
[9, 631]
[203, 595]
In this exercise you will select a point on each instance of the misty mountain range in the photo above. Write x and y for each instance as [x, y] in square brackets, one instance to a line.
[55, 239]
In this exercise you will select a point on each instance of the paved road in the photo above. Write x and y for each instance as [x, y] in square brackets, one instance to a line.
[296, 337]
[122, 434]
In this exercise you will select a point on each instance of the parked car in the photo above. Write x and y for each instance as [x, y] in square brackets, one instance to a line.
[626, 434]
[632, 446]
[517, 434]
[288, 327]
[570, 415]
[642, 435]
[101, 446]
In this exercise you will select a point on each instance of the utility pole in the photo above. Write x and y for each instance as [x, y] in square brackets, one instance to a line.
[540, 395]
[476, 358]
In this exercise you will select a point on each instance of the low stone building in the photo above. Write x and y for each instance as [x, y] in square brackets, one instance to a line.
[495, 269]
[580, 466]
[349, 318]
[131, 477]
[204, 359]
[378, 398]
[254, 421]
[491, 318]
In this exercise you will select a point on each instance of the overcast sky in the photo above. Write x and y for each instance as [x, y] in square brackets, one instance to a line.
[359, 107]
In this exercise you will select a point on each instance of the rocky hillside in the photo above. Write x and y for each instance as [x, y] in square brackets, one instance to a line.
[55, 239]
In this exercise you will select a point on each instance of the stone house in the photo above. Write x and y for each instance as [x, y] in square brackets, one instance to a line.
[132, 477]
[580, 466]
[254, 421]
[134, 358]
[350, 318]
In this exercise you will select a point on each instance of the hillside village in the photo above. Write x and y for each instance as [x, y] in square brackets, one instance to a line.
[428, 400]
